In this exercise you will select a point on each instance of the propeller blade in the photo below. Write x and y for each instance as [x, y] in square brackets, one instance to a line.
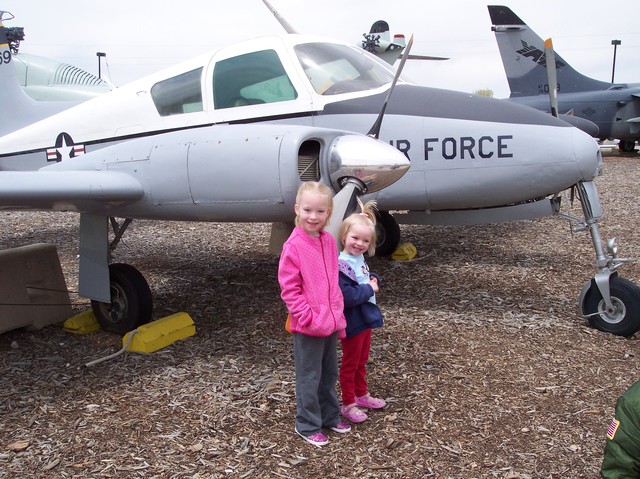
[552, 78]
[344, 203]
[287, 27]
[375, 129]
[426, 57]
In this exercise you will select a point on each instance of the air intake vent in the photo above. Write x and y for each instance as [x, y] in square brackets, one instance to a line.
[309, 161]
[70, 75]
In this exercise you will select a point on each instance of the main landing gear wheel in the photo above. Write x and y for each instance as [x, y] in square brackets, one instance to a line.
[387, 233]
[623, 319]
[627, 145]
[131, 303]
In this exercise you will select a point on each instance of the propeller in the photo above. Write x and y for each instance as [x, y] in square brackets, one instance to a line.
[583, 124]
[287, 27]
[375, 129]
[344, 203]
[552, 76]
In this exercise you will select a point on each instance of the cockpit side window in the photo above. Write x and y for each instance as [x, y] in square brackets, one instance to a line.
[179, 94]
[334, 69]
[249, 79]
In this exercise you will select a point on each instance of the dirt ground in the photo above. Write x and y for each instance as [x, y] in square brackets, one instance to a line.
[487, 368]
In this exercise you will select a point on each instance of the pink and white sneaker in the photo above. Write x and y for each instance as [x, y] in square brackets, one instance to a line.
[318, 439]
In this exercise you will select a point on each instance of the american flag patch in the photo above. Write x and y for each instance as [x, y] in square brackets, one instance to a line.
[613, 427]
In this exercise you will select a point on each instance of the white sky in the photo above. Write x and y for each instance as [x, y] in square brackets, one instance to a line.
[143, 36]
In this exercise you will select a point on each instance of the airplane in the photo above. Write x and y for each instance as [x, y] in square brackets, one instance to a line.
[378, 41]
[614, 108]
[229, 136]
[26, 109]
[44, 79]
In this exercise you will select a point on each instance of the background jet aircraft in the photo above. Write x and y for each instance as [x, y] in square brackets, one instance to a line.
[378, 41]
[24, 109]
[614, 108]
[229, 135]
[45, 79]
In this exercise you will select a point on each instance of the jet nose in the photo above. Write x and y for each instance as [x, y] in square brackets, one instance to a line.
[587, 154]
[376, 164]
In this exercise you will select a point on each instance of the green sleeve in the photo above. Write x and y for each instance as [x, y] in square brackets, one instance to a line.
[622, 450]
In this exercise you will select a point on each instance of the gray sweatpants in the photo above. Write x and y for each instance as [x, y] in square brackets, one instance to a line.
[316, 362]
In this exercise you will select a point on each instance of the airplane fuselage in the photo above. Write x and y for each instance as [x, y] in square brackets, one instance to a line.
[466, 151]
[609, 109]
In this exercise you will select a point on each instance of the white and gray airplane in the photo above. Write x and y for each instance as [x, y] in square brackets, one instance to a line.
[229, 136]
[614, 108]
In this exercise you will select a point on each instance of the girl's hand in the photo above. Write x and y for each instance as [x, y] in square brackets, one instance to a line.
[374, 284]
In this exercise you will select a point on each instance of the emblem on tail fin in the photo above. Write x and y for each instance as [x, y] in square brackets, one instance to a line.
[536, 55]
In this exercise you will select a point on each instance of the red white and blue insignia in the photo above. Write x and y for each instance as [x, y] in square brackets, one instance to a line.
[613, 427]
[64, 149]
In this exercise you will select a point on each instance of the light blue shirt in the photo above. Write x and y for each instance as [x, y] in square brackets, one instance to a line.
[361, 268]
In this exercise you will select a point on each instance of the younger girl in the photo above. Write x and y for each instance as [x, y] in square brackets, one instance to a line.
[358, 236]
[308, 276]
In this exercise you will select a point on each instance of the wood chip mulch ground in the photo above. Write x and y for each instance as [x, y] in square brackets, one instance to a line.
[486, 366]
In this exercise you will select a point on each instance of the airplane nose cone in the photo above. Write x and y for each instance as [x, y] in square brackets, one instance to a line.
[587, 154]
[376, 164]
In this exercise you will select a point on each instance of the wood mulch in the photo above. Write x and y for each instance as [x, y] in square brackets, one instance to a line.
[487, 368]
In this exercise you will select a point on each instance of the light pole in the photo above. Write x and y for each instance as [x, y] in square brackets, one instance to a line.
[615, 44]
[102, 54]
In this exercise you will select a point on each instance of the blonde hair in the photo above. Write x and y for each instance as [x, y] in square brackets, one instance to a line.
[318, 188]
[366, 218]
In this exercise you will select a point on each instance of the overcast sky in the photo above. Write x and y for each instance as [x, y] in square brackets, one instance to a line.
[143, 36]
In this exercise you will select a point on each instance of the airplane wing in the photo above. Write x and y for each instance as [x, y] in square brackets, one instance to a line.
[67, 190]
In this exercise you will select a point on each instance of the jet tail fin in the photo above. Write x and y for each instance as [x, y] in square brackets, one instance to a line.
[524, 60]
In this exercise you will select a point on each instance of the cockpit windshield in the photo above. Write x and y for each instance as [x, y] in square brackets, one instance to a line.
[334, 69]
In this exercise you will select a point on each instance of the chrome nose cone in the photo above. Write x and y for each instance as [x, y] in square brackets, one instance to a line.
[376, 164]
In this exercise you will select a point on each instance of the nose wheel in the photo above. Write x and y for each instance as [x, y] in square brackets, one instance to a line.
[622, 316]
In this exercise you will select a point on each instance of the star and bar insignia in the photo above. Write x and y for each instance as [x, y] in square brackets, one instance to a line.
[64, 149]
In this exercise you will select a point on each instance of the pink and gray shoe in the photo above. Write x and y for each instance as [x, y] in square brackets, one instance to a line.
[369, 402]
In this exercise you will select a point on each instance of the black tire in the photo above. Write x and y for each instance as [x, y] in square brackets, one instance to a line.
[628, 146]
[131, 303]
[624, 319]
[387, 233]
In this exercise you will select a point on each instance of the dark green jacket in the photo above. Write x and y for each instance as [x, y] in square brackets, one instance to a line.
[622, 451]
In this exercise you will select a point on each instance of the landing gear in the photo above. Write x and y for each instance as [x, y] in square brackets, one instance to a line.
[131, 303]
[609, 302]
[628, 146]
[623, 317]
[387, 233]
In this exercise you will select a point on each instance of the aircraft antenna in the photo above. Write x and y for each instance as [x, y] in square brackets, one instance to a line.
[375, 129]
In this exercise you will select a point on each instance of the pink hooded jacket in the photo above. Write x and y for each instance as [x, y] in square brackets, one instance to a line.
[308, 276]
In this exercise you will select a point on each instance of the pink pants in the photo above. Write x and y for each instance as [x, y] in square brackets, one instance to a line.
[355, 353]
